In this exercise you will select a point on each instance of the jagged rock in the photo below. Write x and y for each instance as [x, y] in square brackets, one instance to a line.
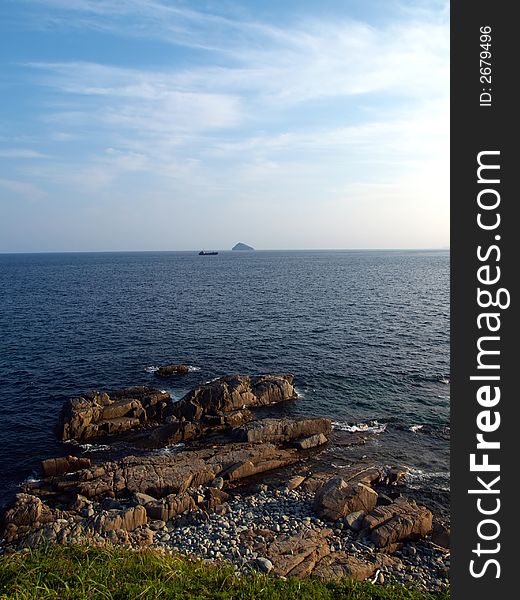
[177, 430]
[160, 475]
[98, 414]
[231, 393]
[337, 498]
[400, 521]
[282, 430]
[126, 520]
[352, 475]
[26, 511]
[168, 370]
[297, 555]
[311, 442]
[64, 464]
[169, 507]
[214, 497]
[338, 565]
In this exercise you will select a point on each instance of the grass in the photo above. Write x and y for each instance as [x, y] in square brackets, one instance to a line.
[82, 572]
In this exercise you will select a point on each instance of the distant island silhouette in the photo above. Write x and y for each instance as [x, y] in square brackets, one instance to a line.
[241, 247]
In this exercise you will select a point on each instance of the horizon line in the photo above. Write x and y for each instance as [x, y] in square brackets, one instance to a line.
[411, 249]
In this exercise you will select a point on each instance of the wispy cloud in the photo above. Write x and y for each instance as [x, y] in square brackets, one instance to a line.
[21, 153]
[248, 114]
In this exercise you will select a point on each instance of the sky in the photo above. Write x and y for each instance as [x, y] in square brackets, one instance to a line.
[179, 125]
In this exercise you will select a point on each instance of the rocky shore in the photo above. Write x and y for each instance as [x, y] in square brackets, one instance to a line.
[214, 480]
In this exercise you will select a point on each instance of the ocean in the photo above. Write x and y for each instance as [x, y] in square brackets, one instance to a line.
[366, 334]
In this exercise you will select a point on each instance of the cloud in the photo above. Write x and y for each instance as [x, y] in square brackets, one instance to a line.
[314, 113]
[22, 188]
[21, 153]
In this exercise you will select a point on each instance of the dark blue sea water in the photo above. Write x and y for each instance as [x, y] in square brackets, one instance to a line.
[365, 332]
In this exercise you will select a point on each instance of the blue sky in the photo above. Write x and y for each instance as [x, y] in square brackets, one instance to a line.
[171, 125]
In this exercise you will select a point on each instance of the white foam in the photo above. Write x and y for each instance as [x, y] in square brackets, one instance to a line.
[94, 447]
[415, 478]
[416, 428]
[172, 449]
[151, 369]
[370, 427]
[299, 392]
[193, 369]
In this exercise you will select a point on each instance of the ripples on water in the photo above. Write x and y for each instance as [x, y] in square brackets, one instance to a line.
[366, 334]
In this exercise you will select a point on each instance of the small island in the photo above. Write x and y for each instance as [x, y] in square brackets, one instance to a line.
[242, 247]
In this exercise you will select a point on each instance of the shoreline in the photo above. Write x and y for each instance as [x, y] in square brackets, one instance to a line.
[242, 489]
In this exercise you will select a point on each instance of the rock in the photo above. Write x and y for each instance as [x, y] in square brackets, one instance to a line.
[441, 535]
[126, 520]
[181, 430]
[168, 370]
[143, 499]
[311, 442]
[232, 393]
[169, 507]
[282, 430]
[339, 564]
[297, 555]
[400, 521]
[217, 483]
[337, 498]
[295, 482]
[214, 497]
[262, 564]
[355, 520]
[98, 414]
[64, 464]
[26, 511]
[161, 475]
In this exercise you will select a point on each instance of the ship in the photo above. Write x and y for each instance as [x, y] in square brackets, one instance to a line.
[204, 253]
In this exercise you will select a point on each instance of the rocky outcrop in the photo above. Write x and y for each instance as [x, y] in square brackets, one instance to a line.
[401, 521]
[232, 393]
[63, 464]
[160, 475]
[282, 430]
[337, 499]
[169, 370]
[98, 414]
[177, 430]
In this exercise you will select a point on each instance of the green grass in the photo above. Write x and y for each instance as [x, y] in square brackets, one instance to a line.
[81, 572]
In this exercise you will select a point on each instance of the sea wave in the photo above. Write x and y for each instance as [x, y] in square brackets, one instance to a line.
[370, 427]
[94, 447]
[416, 428]
[416, 478]
[154, 368]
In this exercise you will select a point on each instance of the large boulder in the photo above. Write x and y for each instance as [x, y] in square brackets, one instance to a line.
[337, 498]
[98, 414]
[232, 393]
[401, 521]
[282, 430]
